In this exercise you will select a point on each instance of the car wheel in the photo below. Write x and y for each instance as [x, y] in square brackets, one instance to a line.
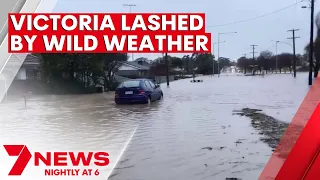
[161, 96]
[149, 100]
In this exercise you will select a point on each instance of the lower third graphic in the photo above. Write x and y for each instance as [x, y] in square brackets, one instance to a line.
[57, 159]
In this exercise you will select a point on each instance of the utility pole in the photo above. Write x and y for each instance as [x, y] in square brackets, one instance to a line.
[294, 51]
[219, 48]
[167, 67]
[276, 56]
[213, 59]
[193, 58]
[130, 6]
[218, 55]
[311, 43]
[253, 52]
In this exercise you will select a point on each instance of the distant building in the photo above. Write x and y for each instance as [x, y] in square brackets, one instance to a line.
[143, 68]
[134, 69]
[30, 69]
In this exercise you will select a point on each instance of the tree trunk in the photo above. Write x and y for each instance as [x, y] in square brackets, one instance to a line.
[317, 57]
[72, 67]
[317, 54]
[105, 84]
[86, 79]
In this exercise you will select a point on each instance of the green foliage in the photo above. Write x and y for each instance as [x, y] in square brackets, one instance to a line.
[204, 64]
[200, 63]
[176, 62]
[88, 70]
[224, 62]
[267, 61]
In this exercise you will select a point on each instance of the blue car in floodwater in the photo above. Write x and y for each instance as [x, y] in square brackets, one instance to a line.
[137, 91]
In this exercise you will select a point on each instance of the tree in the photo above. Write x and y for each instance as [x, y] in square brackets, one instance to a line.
[285, 61]
[87, 69]
[264, 60]
[187, 64]
[203, 63]
[176, 62]
[317, 47]
[223, 62]
[111, 63]
[244, 63]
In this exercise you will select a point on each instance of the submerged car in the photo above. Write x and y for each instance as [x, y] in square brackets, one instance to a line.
[137, 91]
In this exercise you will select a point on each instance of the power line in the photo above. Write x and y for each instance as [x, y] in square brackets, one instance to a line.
[257, 17]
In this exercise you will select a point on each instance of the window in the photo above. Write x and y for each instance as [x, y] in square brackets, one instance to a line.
[147, 84]
[152, 85]
[131, 84]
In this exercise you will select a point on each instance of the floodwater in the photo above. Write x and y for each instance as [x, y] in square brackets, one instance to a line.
[191, 134]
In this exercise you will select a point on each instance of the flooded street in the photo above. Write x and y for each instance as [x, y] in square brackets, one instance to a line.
[192, 134]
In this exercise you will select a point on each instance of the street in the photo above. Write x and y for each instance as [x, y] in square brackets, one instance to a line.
[191, 134]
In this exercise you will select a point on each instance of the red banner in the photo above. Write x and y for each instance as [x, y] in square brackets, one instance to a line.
[305, 152]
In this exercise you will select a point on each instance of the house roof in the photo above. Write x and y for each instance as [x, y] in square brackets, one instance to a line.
[136, 65]
[144, 61]
[31, 61]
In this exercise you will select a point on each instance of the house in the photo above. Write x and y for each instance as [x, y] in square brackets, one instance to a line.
[134, 69]
[30, 68]
[144, 61]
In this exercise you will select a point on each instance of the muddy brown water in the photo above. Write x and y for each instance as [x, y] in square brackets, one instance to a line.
[192, 134]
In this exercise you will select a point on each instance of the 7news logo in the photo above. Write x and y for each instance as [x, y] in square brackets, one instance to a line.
[57, 159]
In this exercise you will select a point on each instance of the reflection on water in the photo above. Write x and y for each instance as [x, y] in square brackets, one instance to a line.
[170, 139]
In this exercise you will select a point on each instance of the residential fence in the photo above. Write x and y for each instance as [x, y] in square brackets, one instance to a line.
[163, 79]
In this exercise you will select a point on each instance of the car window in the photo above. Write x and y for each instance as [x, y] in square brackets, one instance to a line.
[131, 84]
[152, 85]
[147, 84]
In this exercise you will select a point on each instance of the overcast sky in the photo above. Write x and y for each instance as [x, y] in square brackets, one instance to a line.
[259, 31]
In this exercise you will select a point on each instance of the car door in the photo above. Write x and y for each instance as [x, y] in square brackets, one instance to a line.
[159, 91]
[148, 89]
[155, 92]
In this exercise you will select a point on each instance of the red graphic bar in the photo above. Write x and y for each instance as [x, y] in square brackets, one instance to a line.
[313, 171]
[292, 134]
[304, 151]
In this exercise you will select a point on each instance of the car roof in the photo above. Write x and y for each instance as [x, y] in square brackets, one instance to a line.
[140, 79]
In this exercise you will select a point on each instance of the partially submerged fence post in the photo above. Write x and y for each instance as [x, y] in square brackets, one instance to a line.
[25, 96]
[25, 99]
[167, 68]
